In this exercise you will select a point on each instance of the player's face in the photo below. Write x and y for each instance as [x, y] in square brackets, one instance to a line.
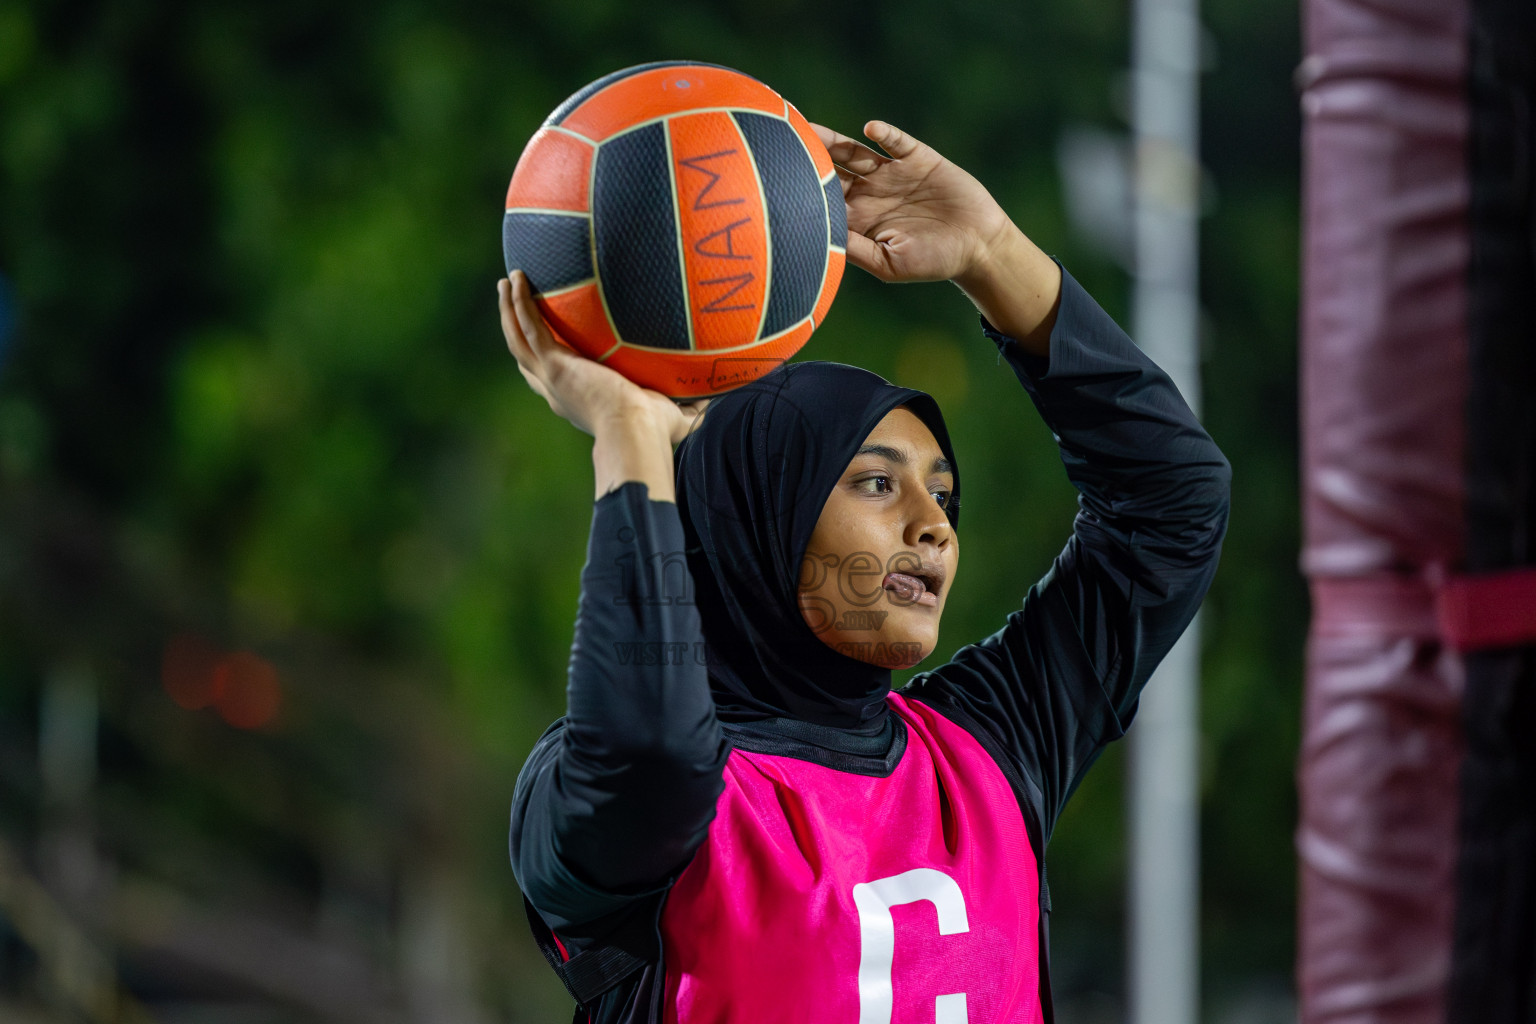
[882, 559]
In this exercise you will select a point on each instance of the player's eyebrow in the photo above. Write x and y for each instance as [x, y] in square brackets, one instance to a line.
[896, 455]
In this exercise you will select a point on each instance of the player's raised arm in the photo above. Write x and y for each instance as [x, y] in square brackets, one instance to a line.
[623, 789]
[1063, 677]
[634, 428]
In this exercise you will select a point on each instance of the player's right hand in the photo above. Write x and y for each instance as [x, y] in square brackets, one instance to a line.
[580, 390]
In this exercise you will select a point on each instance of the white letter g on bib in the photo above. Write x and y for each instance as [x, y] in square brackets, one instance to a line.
[877, 937]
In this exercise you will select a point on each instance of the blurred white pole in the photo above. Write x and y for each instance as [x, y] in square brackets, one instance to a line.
[68, 864]
[1164, 982]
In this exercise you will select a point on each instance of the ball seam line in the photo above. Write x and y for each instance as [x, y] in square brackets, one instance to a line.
[762, 198]
[826, 229]
[575, 135]
[546, 210]
[602, 298]
[557, 292]
[627, 129]
[677, 226]
[715, 351]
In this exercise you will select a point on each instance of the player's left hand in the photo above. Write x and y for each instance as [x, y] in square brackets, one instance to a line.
[913, 215]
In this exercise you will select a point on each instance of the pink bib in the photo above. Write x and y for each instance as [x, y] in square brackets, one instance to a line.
[831, 897]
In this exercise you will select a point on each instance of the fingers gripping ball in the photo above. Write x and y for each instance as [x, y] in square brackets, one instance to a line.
[680, 223]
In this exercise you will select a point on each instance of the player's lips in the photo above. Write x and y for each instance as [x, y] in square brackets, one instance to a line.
[919, 585]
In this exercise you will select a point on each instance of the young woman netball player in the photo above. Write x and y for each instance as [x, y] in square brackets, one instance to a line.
[737, 820]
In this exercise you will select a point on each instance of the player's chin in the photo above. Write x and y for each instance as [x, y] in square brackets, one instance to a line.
[909, 648]
[906, 655]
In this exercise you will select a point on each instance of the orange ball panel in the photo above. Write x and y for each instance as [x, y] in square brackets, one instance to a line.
[696, 375]
[661, 91]
[724, 229]
[552, 174]
[676, 373]
[578, 319]
[835, 261]
[786, 343]
[819, 154]
[728, 372]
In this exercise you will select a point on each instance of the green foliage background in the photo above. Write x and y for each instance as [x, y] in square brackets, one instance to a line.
[258, 393]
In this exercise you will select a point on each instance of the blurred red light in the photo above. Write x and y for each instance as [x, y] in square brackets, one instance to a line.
[187, 670]
[249, 693]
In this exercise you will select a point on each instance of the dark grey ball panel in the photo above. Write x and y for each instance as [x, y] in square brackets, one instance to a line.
[837, 214]
[554, 250]
[797, 218]
[635, 227]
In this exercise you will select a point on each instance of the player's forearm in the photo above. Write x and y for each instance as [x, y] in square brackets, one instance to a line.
[631, 444]
[1017, 287]
[1064, 677]
[1129, 442]
[623, 792]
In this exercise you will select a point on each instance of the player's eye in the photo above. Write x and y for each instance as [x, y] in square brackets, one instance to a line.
[942, 497]
[885, 481]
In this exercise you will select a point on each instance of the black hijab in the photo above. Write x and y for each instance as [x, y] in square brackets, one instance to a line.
[752, 480]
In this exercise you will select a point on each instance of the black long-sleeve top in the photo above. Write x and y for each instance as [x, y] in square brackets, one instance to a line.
[617, 795]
